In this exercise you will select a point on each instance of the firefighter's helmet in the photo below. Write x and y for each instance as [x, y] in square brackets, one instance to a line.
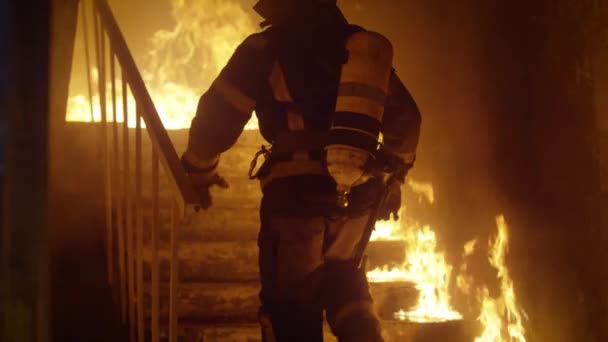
[274, 11]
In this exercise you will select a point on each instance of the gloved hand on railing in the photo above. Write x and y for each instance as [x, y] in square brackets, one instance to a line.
[203, 177]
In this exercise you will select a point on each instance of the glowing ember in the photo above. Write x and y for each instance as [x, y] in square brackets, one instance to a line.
[182, 62]
[501, 317]
[423, 266]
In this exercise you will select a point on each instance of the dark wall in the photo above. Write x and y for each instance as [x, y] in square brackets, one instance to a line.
[4, 27]
[601, 202]
[24, 254]
[540, 87]
[78, 267]
[3, 81]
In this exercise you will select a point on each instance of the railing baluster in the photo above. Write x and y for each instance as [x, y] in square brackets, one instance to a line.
[126, 289]
[184, 200]
[120, 224]
[155, 279]
[139, 234]
[187, 198]
[174, 277]
[85, 29]
[100, 39]
[131, 262]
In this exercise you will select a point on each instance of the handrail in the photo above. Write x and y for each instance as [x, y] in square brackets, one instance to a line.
[124, 205]
[159, 136]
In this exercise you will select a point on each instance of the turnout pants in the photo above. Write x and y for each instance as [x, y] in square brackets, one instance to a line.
[307, 267]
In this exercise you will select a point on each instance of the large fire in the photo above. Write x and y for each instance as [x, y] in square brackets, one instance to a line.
[180, 64]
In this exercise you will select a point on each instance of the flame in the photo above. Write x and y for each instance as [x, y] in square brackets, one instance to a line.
[387, 231]
[424, 266]
[79, 109]
[181, 63]
[464, 280]
[424, 190]
[428, 269]
[501, 317]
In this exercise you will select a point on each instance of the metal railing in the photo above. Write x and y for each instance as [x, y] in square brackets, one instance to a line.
[124, 216]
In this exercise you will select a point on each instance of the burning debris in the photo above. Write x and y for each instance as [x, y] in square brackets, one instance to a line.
[501, 318]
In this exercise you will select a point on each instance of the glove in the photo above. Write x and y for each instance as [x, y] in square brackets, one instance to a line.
[203, 179]
[391, 203]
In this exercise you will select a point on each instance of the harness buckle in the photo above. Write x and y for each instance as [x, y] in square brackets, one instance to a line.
[265, 152]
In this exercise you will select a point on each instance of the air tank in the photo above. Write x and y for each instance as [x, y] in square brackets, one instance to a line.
[362, 94]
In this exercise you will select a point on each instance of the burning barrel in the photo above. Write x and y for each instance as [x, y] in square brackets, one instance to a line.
[449, 331]
[398, 326]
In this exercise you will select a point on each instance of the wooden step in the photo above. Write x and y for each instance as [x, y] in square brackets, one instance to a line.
[230, 302]
[225, 333]
[392, 331]
[216, 225]
[238, 260]
[213, 302]
[242, 193]
[211, 261]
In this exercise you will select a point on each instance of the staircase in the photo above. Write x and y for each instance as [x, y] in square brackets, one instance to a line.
[182, 274]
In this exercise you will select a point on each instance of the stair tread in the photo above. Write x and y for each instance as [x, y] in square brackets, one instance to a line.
[392, 331]
[238, 260]
[223, 301]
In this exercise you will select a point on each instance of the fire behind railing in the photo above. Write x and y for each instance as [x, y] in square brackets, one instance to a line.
[124, 215]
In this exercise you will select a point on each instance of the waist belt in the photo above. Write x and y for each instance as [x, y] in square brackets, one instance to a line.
[290, 168]
[277, 157]
[295, 153]
[296, 141]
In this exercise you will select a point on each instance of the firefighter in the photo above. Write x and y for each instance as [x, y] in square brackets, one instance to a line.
[323, 90]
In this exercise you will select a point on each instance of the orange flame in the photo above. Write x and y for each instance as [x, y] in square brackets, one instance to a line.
[424, 266]
[182, 62]
[501, 317]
